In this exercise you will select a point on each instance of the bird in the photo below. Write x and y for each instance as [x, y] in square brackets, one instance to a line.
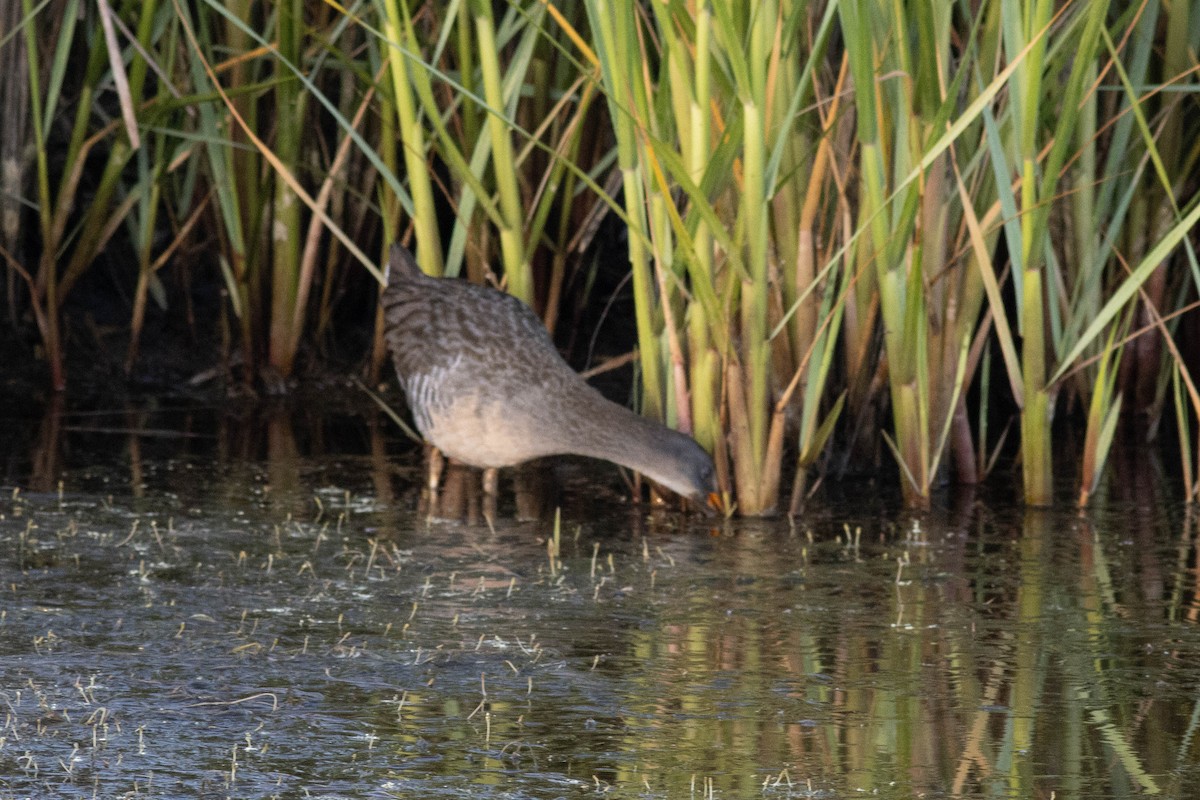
[487, 387]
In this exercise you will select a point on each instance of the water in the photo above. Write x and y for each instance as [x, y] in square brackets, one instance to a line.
[229, 614]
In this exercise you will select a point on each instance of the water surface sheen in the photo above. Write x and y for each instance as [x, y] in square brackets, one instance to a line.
[228, 632]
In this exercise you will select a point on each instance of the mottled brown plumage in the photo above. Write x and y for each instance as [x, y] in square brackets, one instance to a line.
[487, 387]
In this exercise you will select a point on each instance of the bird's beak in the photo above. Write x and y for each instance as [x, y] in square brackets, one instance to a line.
[715, 502]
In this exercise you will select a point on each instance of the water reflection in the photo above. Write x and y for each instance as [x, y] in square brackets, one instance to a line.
[230, 615]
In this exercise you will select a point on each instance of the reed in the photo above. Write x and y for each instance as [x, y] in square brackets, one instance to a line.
[723, 185]
[263, 206]
[836, 214]
[1075, 335]
[285, 236]
[917, 211]
[75, 239]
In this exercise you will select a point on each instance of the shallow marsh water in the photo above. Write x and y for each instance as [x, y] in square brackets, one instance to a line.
[229, 614]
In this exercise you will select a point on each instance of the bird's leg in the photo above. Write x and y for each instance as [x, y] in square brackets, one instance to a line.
[491, 482]
[436, 462]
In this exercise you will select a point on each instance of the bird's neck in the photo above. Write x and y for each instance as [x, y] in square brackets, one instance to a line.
[612, 432]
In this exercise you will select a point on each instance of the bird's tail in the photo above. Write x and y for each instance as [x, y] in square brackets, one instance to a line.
[401, 265]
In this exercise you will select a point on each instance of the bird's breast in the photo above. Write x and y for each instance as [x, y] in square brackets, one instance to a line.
[484, 432]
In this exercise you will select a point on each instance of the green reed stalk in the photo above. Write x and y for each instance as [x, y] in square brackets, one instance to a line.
[43, 294]
[1180, 385]
[69, 232]
[754, 293]
[512, 246]
[1036, 451]
[149, 192]
[149, 188]
[751, 89]
[398, 32]
[913, 229]
[707, 329]
[286, 235]
[899, 286]
[1042, 274]
[1103, 414]
[618, 50]
[15, 158]
[695, 142]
